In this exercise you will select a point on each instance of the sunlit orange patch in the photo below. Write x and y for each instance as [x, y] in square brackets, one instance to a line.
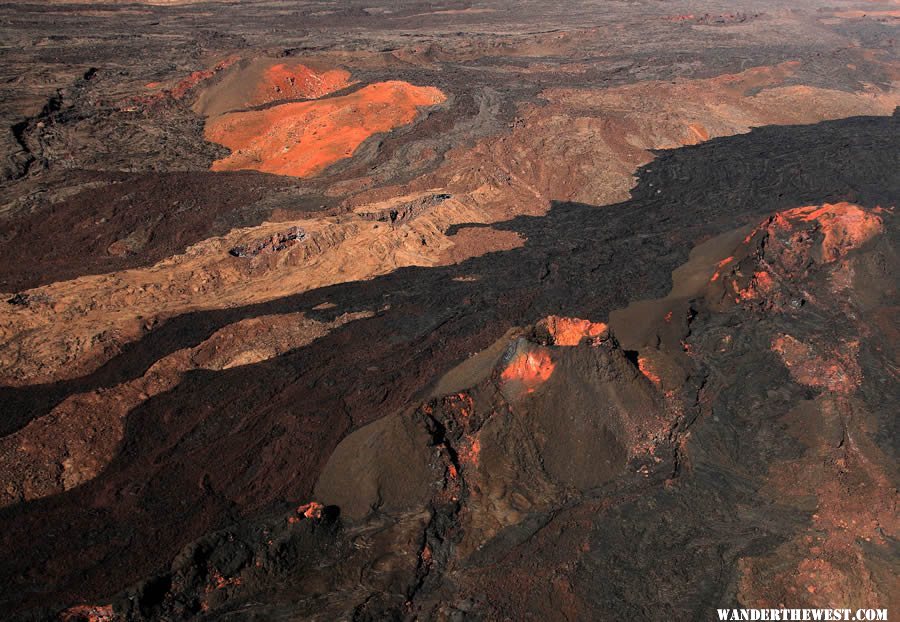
[720, 265]
[844, 225]
[284, 81]
[311, 511]
[569, 331]
[760, 285]
[531, 369]
[301, 139]
[756, 230]
[698, 133]
[645, 365]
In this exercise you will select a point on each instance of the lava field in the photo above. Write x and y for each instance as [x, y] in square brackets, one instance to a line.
[448, 310]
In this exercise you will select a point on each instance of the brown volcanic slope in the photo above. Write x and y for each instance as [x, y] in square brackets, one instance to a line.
[517, 314]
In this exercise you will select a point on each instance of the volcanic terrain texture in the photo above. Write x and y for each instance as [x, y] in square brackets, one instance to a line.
[448, 310]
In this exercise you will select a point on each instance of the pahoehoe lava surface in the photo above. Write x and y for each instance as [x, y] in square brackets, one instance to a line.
[467, 366]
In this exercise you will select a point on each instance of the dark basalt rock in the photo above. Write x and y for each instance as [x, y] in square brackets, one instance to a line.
[273, 244]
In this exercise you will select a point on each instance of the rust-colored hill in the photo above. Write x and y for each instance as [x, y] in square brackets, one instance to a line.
[302, 139]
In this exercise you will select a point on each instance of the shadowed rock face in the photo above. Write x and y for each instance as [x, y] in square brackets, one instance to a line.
[540, 317]
[110, 225]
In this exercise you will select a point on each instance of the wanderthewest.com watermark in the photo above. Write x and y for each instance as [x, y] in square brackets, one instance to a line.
[802, 614]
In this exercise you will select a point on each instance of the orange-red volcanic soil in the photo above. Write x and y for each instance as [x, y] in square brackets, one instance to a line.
[263, 81]
[301, 139]
[283, 81]
[845, 226]
[530, 368]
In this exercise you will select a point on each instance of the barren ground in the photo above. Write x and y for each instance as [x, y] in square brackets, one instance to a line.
[447, 311]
